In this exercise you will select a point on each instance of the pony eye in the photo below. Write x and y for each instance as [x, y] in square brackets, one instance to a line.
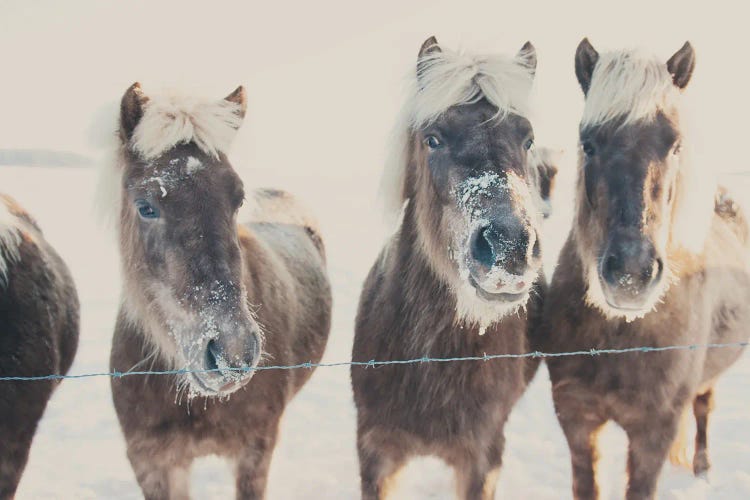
[588, 148]
[677, 148]
[528, 144]
[146, 210]
[432, 142]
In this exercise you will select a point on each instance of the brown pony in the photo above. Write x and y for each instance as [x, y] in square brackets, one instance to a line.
[39, 314]
[205, 294]
[656, 257]
[460, 277]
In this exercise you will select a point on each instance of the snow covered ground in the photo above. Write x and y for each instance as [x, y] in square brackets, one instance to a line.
[323, 86]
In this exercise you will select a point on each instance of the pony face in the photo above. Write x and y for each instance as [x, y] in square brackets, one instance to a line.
[183, 265]
[475, 182]
[629, 181]
[477, 168]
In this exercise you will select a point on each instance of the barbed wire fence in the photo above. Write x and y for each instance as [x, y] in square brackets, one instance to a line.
[376, 363]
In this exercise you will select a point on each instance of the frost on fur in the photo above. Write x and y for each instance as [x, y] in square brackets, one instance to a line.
[446, 79]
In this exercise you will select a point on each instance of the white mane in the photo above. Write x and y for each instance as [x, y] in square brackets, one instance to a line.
[10, 238]
[447, 79]
[630, 85]
[634, 86]
[172, 119]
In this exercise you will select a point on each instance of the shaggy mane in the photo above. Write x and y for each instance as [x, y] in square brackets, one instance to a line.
[10, 239]
[632, 86]
[446, 79]
[173, 119]
[628, 85]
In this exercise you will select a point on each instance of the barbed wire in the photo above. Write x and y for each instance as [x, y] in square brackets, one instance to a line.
[375, 363]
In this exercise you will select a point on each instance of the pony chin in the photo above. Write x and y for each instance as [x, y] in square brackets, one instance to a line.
[472, 310]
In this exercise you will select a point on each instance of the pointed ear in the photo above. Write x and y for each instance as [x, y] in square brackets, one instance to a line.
[681, 65]
[429, 47]
[131, 110]
[586, 59]
[527, 56]
[240, 98]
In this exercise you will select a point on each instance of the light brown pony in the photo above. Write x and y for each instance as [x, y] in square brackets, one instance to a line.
[656, 257]
[205, 294]
[460, 277]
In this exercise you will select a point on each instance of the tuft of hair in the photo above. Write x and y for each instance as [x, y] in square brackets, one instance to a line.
[172, 119]
[275, 206]
[10, 239]
[628, 85]
[445, 79]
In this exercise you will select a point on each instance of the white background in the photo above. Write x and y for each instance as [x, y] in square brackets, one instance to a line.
[324, 82]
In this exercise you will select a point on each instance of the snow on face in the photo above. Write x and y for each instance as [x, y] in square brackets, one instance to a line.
[475, 198]
[168, 179]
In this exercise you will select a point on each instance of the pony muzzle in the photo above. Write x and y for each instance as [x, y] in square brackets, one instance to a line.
[227, 361]
[630, 272]
[503, 261]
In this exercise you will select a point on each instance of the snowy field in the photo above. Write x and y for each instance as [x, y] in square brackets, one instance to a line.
[324, 87]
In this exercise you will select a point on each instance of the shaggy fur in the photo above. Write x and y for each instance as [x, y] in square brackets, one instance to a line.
[419, 300]
[448, 78]
[703, 297]
[38, 334]
[204, 293]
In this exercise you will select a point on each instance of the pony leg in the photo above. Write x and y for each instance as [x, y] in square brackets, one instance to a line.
[380, 459]
[477, 476]
[650, 441]
[702, 406]
[12, 462]
[253, 466]
[581, 433]
[159, 477]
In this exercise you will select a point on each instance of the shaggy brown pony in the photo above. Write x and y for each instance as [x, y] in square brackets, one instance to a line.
[38, 334]
[656, 257]
[460, 277]
[205, 294]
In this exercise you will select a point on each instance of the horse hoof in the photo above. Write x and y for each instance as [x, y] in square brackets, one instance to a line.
[701, 465]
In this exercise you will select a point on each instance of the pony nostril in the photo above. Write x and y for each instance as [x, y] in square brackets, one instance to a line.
[212, 353]
[653, 273]
[612, 265]
[482, 248]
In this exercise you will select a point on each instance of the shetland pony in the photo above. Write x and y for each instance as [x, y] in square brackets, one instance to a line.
[460, 277]
[39, 315]
[205, 294]
[656, 257]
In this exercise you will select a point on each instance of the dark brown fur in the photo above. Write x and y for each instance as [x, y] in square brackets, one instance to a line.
[39, 336]
[408, 309]
[278, 261]
[626, 178]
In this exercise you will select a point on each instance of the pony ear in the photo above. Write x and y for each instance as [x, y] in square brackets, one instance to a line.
[527, 56]
[131, 110]
[681, 65]
[239, 97]
[586, 59]
[429, 47]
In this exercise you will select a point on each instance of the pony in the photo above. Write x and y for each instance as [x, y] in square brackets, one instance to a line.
[657, 256]
[207, 296]
[39, 315]
[461, 276]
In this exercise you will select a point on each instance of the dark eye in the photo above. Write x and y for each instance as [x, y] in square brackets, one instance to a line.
[146, 210]
[528, 144]
[677, 148]
[432, 142]
[588, 148]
